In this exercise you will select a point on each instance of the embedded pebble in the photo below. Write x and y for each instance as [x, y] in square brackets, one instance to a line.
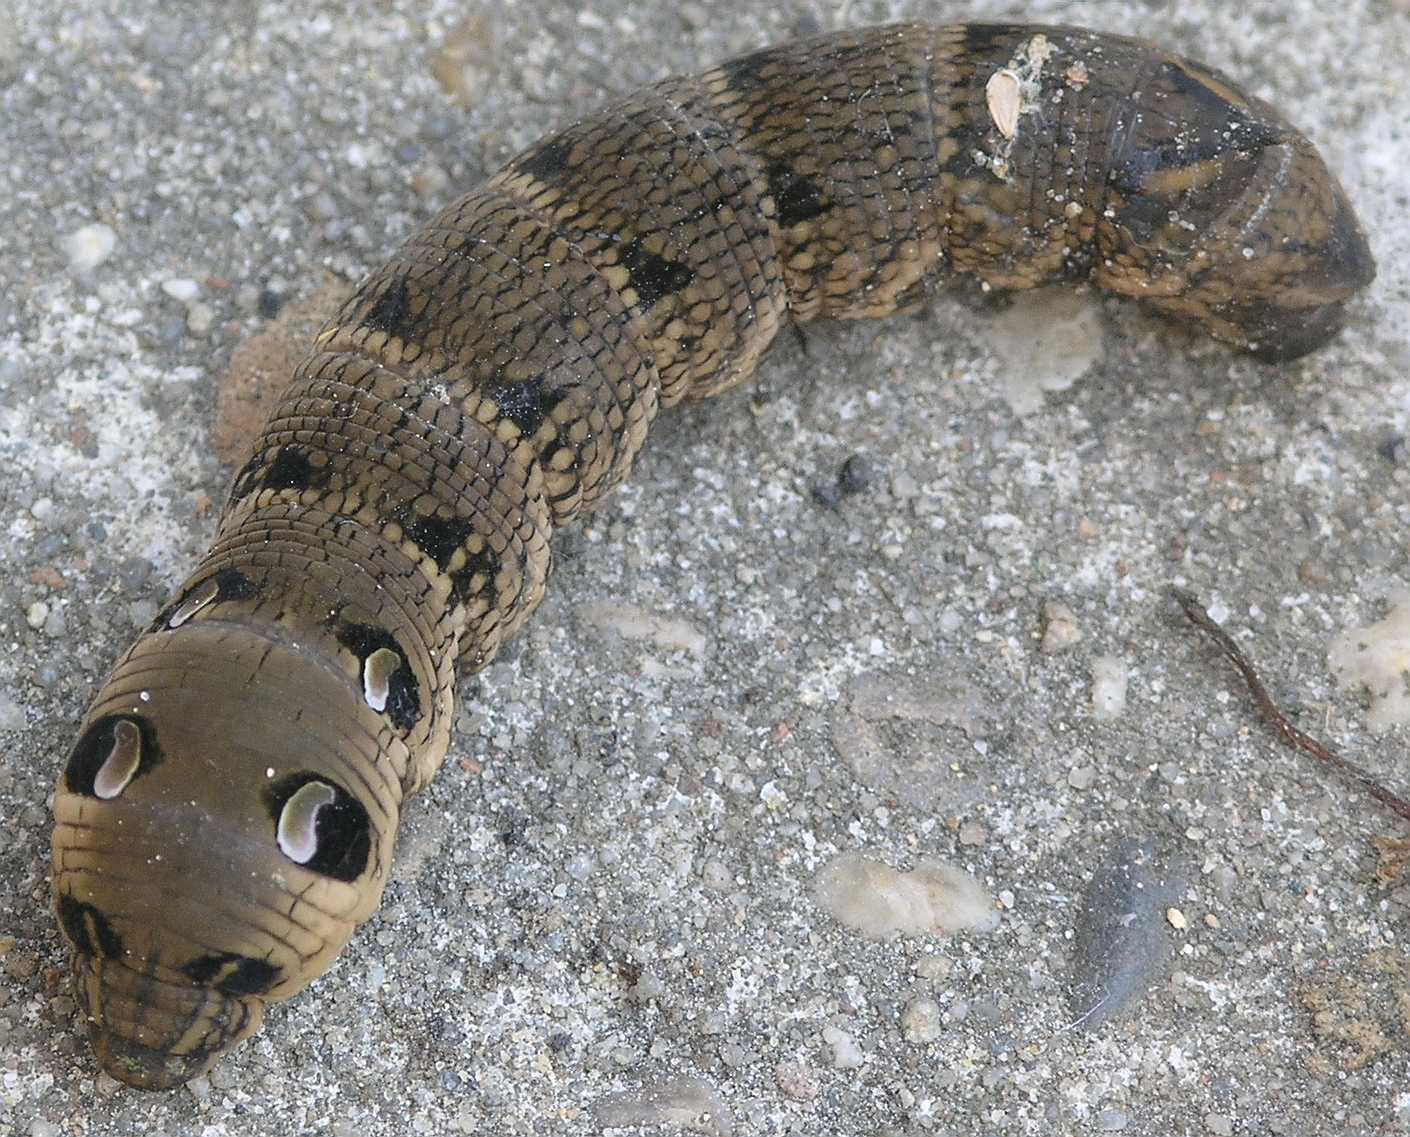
[796, 1081]
[1060, 629]
[1109, 678]
[1377, 658]
[972, 833]
[90, 246]
[1121, 943]
[199, 319]
[182, 289]
[846, 1054]
[11, 713]
[935, 967]
[36, 614]
[1045, 341]
[691, 1103]
[632, 622]
[878, 902]
[920, 1021]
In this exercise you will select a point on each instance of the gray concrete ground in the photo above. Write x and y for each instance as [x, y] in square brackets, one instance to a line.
[604, 910]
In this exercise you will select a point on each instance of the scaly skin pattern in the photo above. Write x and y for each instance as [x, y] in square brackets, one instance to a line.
[227, 817]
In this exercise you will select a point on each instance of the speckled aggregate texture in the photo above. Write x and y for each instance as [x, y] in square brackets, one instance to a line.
[608, 890]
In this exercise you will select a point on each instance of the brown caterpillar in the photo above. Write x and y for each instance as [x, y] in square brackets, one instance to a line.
[498, 377]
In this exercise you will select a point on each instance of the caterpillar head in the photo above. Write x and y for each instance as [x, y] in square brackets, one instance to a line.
[213, 854]
[1221, 212]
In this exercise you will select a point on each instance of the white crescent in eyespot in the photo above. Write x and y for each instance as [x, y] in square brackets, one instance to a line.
[377, 676]
[297, 832]
[121, 764]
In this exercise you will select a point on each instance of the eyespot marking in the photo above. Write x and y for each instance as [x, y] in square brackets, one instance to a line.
[120, 766]
[377, 670]
[110, 754]
[297, 833]
[402, 703]
[201, 595]
[321, 826]
[227, 584]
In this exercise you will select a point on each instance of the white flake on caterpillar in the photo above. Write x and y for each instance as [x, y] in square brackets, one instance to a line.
[1004, 94]
[203, 594]
[876, 900]
[122, 761]
[377, 677]
[1012, 92]
[297, 833]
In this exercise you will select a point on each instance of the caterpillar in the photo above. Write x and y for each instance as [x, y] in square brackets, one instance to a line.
[498, 377]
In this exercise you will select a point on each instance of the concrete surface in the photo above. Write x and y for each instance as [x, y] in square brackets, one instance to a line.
[604, 911]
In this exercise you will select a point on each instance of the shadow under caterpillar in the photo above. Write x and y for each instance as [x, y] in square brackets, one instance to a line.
[227, 816]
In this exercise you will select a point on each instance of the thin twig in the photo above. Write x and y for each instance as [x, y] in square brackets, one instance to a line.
[1275, 718]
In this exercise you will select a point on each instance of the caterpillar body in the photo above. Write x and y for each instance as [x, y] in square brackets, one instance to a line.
[227, 815]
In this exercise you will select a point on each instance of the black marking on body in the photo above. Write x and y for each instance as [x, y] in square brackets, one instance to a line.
[526, 404]
[746, 73]
[652, 275]
[546, 161]
[796, 198]
[88, 929]
[437, 537]
[234, 975]
[96, 743]
[403, 700]
[292, 470]
[235, 585]
[1216, 131]
[486, 562]
[344, 831]
[391, 311]
[990, 45]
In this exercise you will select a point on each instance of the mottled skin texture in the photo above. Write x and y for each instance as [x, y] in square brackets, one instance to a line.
[498, 377]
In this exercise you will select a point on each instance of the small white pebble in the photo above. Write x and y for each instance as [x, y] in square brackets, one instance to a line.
[1109, 678]
[89, 247]
[199, 318]
[36, 614]
[876, 901]
[1176, 919]
[181, 288]
[846, 1054]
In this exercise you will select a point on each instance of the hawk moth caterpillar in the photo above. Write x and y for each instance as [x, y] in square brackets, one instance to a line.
[497, 377]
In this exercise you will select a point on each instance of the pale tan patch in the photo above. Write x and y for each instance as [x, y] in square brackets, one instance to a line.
[262, 366]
